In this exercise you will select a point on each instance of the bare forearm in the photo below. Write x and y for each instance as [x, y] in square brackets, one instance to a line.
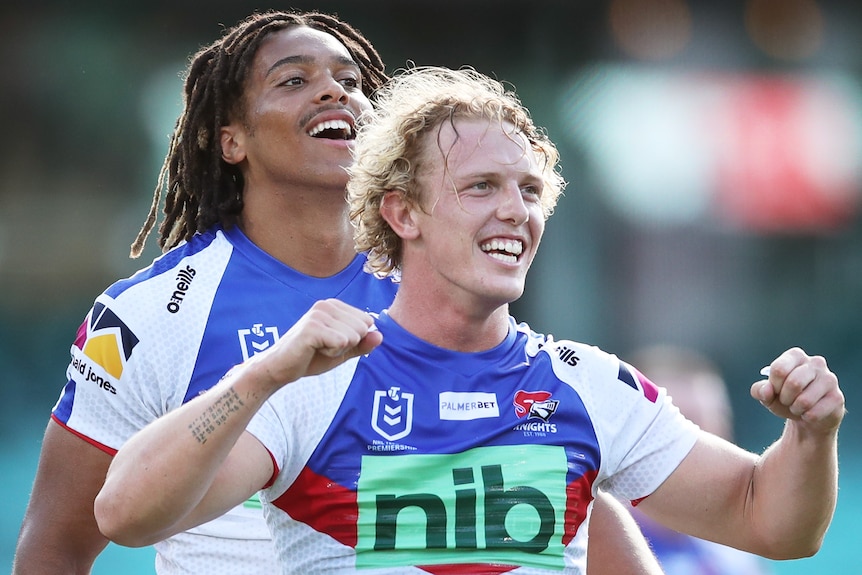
[795, 482]
[162, 473]
[32, 558]
[801, 468]
[778, 504]
[176, 463]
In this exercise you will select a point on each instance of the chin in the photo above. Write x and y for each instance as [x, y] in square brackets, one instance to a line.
[507, 296]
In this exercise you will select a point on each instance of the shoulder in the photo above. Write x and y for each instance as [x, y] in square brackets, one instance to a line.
[156, 316]
[585, 363]
[562, 353]
[569, 354]
[169, 276]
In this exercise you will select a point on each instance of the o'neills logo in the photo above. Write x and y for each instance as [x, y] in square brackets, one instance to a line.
[184, 282]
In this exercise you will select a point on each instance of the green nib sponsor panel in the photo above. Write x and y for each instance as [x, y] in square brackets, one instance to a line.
[253, 502]
[501, 504]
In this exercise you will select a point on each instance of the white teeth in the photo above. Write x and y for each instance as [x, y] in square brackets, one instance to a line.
[504, 250]
[503, 257]
[330, 125]
[509, 246]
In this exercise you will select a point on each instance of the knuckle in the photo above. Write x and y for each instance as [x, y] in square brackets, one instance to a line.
[819, 362]
[794, 386]
[802, 405]
[797, 352]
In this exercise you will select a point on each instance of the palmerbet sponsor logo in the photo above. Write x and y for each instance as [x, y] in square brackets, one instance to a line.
[466, 406]
[500, 504]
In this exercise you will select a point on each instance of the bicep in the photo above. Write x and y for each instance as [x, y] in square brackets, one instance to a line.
[708, 494]
[59, 527]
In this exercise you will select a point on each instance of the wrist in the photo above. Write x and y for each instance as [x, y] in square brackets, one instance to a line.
[802, 432]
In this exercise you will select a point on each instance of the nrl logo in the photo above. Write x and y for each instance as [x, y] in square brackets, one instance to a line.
[392, 415]
[256, 339]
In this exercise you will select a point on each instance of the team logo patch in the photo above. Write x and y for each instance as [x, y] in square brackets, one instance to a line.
[535, 405]
[392, 414]
[256, 339]
[108, 341]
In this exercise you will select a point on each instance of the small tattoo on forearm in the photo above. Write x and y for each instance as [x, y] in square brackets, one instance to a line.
[215, 415]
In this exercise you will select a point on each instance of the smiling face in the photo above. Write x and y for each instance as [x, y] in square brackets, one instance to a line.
[481, 218]
[301, 101]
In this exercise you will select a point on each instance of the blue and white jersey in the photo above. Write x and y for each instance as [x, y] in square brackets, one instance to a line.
[161, 337]
[416, 459]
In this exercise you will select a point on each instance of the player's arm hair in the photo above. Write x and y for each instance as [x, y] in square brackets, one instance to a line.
[617, 546]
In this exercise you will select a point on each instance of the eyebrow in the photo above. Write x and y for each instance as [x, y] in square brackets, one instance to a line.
[303, 59]
[535, 175]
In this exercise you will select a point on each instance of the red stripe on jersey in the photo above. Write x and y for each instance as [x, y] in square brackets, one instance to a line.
[468, 569]
[109, 450]
[579, 494]
[323, 505]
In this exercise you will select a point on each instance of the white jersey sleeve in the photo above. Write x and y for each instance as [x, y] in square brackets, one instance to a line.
[132, 359]
[643, 437]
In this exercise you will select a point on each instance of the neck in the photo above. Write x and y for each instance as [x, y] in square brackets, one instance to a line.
[468, 326]
[308, 231]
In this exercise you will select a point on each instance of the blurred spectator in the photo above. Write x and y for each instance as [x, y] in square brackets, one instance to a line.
[699, 390]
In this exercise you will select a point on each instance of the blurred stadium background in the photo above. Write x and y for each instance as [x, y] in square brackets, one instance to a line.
[712, 151]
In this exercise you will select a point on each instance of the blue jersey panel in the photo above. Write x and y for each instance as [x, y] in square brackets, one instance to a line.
[259, 299]
[165, 263]
[404, 400]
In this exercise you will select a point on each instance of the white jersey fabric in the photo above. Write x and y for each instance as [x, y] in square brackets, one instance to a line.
[415, 459]
[153, 341]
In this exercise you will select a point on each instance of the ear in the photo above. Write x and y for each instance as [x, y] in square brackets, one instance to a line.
[399, 214]
[231, 140]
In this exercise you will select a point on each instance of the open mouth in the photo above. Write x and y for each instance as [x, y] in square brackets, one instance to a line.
[504, 250]
[333, 130]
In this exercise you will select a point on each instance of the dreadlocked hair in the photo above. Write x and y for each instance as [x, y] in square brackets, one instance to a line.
[200, 188]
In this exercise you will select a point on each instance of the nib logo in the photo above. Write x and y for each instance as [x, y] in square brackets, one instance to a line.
[489, 505]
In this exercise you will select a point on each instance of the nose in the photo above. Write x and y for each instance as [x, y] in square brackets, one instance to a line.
[512, 207]
[332, 90]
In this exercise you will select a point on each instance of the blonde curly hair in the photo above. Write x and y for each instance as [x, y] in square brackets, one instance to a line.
[391, 140]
